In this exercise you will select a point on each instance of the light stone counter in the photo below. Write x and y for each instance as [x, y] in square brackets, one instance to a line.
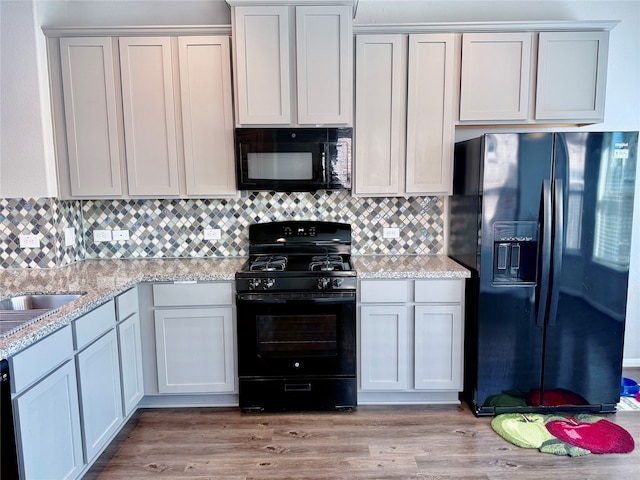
[408, 266]
[101, 280]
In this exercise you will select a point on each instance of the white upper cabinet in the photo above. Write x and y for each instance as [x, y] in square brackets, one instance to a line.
[380, 114]
[404, 133]
[324, 64]
[91, 116]
[504, 75]
[272, 83]
[572, 72]
[207, 115]
[430, 113]
[149, 115]
[495, 76]
[263, 86]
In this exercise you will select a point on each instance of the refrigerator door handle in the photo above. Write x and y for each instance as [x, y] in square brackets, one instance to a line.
[544, 261]
[558, 242]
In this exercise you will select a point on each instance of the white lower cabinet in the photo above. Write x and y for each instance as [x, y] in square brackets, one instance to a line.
[411, 340]
[384, 350]
[193, 338]
[195, 350]
[438, 347]
[48, 427]
[100, 393]
[130, 363]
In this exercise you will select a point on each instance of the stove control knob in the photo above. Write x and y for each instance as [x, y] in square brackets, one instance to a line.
[269, 283]
[337, 283]
[254, 283]
[323, 283]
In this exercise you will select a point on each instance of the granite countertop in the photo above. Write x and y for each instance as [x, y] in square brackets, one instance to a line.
[408, 266]
[101, 280]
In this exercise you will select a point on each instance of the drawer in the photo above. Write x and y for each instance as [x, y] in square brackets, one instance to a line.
[90, 326]
[383, 291]
[438, 291]
[35, 361]
[188, 294]
[127, 303]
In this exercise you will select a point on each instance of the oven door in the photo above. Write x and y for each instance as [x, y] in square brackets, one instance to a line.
[296, 334]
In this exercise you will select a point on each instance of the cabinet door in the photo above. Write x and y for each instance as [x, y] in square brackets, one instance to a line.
[91, 116]
[324, 60]
[430, 113]
[131, 363]
[48, 427]
[195, 350]
[383, 347]
[438, 347]
[100, 393]
[263, 84]
[380, 114]
[149, 116]
[207, 115]
[495, 76]
[572, 68]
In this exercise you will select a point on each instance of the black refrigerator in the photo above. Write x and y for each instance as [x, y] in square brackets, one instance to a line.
[543, 221]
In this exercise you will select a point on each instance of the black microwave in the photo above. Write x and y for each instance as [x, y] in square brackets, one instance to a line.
[293, 159]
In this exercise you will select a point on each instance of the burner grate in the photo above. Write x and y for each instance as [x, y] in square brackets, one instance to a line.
[327, 263]
[274, 263]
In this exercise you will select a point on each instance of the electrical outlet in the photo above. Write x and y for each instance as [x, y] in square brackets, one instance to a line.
[101, 236]
[29, 241]
[390, 232]
[69, 237]
[212, 234]
[120, 235]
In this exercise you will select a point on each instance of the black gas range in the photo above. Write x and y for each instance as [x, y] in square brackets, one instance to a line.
[295, 301]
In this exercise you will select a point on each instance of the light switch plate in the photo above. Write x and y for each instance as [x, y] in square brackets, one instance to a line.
[101, 236]
[390, 232]
[69, 237]
[212, 234]
[29, 241]
[120, 235]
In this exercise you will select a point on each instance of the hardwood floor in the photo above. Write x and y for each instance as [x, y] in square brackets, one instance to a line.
[391, 442]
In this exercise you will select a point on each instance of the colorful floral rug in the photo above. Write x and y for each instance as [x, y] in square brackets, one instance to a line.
[575, 435]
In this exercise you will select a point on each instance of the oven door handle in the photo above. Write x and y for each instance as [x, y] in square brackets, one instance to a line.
[250, 297]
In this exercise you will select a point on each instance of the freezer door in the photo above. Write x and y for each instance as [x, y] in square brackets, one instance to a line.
[595, 174]
[509, 342]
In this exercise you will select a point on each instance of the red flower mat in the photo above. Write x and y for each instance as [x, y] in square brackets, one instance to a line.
[563, 435]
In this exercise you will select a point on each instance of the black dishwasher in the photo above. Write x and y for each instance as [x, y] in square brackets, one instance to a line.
[8, 455]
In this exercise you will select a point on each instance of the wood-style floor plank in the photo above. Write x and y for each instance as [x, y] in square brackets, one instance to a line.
[382, 443]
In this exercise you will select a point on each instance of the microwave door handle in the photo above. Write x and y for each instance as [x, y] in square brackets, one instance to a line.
[325, 172]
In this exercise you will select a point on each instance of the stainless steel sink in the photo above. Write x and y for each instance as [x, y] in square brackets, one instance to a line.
[38, 301]
[21, 311]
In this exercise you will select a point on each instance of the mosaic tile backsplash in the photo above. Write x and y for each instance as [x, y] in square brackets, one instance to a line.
[174, 227]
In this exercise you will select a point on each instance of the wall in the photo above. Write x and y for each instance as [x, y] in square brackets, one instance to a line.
[26, 145]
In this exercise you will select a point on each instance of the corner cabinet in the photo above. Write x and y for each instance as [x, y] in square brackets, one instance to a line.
[143, 116]
[411, 341]
[405, 109]
[506, 74]
[271, 82]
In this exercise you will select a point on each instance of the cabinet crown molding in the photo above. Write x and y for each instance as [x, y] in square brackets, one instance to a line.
[135, 31]
[254, 3]
[473, 27]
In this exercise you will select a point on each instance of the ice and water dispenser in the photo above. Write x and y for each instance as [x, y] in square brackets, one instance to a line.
[515, 253]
